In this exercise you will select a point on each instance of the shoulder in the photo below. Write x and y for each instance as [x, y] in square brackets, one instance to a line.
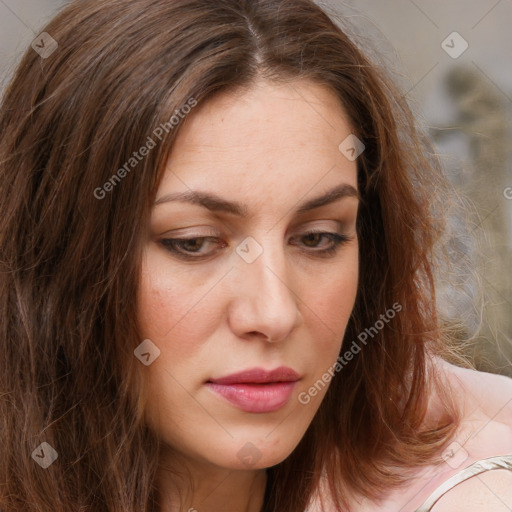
[485, 431]
[483, 397]
[491, 490]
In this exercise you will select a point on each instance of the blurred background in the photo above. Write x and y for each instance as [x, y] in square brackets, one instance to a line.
[453, 60]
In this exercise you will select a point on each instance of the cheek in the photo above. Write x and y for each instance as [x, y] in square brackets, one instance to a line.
[335, 301]
[174, 310]
[330, 302]
[333, 293]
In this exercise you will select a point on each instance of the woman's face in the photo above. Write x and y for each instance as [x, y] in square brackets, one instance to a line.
[254, 291]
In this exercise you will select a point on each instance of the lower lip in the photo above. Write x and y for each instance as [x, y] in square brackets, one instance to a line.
[255, 397]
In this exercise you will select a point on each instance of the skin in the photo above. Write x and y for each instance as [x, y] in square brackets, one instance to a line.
[485, 401]
[269, 148]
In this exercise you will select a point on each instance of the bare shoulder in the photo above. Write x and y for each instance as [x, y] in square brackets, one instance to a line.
[488, 491]
[484, 397]
[486, 431]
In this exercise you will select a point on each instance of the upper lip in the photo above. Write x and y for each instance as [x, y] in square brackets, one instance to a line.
[259, 375]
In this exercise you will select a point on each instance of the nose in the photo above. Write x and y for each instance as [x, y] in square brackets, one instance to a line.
[263, 302]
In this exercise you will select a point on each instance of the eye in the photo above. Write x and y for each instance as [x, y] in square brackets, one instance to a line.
[191, 248]
[314, 237]
[185, 247]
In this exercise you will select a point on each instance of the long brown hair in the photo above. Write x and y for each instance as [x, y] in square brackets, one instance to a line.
[70, 255]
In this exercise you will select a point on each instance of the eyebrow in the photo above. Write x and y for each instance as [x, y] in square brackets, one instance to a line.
[216, 203]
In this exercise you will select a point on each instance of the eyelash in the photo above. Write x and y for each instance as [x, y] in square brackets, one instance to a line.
[173, 244]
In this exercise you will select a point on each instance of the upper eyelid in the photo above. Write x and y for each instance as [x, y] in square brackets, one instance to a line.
[215, 237]
[195, 236]
[342, 225]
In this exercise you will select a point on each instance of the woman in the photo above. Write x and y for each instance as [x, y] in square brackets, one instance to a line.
[217, 245]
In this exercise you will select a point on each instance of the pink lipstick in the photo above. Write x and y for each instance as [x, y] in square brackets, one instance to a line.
[257, 390]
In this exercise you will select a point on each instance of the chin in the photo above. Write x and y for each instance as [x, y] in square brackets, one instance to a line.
[256, 452]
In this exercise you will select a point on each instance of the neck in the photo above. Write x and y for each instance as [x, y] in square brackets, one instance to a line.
[197, 486]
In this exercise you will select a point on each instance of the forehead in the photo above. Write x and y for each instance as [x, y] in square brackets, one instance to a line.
[280, 136]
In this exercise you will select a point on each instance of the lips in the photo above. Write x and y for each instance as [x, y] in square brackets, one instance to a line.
[259, 376]
[257, 390]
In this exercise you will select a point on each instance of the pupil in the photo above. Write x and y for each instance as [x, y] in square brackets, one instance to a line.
[312, 237]
[192, 245]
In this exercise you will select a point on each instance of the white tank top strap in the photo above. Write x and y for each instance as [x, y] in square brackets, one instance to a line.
[480, 466]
